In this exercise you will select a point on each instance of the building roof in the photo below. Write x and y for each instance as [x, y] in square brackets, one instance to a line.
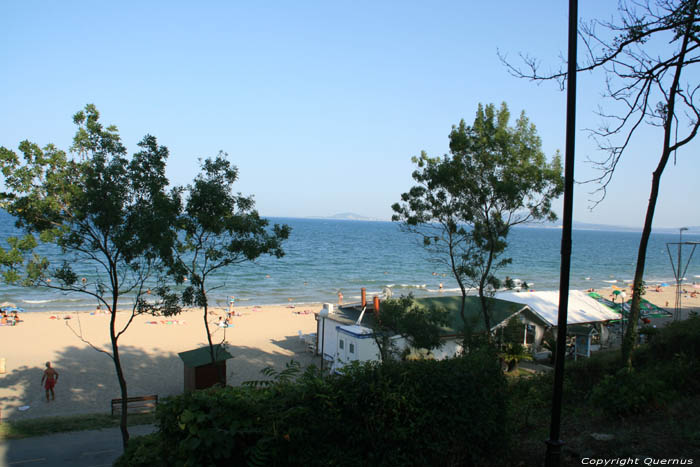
[356, 330]
[582, 308]
[501, 310]
[202, 356]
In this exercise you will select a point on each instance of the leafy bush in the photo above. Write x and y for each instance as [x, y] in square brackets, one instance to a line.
[143, 451]
[630, 392]
[395, 413]
[583, 374]
[679, 337]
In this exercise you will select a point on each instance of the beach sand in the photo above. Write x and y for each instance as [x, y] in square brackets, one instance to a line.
[260, 337]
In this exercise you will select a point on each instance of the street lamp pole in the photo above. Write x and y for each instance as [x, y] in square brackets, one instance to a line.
[623, 297]
[323, 314]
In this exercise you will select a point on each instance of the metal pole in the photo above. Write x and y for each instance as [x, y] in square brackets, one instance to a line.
[679, 277]
[554, 443]
[323, 340]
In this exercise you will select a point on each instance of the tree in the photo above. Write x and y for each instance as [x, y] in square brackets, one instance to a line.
[102, 210]
[495, 177]
[643, 56]
[220, 229]
[405, 317]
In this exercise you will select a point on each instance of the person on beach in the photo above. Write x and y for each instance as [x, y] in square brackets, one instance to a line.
[340, 298]
[51, 377]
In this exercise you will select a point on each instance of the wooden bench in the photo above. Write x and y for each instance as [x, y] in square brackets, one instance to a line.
[142, 404]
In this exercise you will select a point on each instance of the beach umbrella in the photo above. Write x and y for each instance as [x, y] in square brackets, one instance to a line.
[7, 305]
[664, 284]
[616, 292]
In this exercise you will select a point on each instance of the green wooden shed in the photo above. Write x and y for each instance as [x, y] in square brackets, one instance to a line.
[200, 372]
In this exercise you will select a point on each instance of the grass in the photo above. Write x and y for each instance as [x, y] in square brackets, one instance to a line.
[10, 429]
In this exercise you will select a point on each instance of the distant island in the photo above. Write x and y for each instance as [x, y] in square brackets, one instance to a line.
[692, 230]
[607, 228]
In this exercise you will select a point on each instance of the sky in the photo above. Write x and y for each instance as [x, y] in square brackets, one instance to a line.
[321, 105]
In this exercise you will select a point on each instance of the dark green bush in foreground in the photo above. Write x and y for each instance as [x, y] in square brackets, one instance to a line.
[450, 412]
[665, 370]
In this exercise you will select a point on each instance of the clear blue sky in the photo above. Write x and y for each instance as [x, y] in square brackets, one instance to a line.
[320, 104]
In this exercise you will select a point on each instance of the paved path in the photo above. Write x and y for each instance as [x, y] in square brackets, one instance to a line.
[94, 448]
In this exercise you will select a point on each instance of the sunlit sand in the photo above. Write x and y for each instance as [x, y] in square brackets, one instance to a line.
[260, 337]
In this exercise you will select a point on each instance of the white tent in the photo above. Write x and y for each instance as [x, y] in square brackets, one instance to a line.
[582, 308]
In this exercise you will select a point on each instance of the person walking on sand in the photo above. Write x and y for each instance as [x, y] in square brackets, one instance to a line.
[51, 377]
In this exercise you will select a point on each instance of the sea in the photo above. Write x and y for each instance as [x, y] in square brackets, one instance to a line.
[324, 257]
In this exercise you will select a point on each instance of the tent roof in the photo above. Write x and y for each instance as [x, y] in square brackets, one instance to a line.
[201, 356]
[582, 308]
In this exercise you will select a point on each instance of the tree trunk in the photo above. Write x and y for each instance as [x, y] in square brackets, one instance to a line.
[482, 287]
[485, 312]
[630, 339]
[221, 372]
[206, 326]
[120, 374]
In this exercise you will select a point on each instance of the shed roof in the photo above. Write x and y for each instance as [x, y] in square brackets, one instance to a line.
[202, 356]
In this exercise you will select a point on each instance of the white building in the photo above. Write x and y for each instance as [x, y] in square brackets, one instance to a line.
[345, 334]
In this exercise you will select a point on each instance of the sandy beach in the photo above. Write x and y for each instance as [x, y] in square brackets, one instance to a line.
[260, 337]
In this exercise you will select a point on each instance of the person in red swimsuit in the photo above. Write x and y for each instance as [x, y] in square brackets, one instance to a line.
[51, 377]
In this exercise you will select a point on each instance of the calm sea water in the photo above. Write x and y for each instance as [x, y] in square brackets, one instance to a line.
[324, 257]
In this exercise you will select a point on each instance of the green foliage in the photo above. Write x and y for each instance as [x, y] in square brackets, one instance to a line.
[666, 369]
[679, 337]
[395, 413]
[465, 203]
[418, 324]
[221, 228]
[629, 392]
[145, 451]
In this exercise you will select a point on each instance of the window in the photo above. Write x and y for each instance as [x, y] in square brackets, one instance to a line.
[341, 344]
[352, 348]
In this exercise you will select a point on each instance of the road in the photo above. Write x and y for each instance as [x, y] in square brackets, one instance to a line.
[93, 448]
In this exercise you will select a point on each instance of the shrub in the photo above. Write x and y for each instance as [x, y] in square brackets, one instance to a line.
[676, 338]
[394, 413]
[143, 451]
[630, 392]
[582, 375]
